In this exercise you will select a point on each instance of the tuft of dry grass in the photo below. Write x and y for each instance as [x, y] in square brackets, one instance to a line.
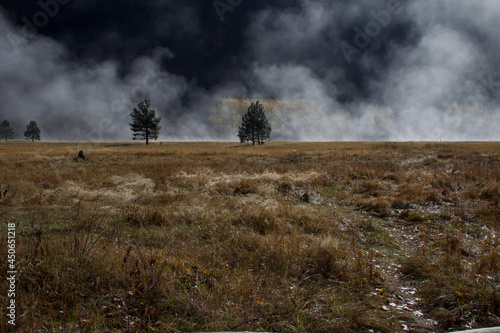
[284, 237]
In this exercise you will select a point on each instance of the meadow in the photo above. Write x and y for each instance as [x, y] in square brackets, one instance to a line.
[284, 237]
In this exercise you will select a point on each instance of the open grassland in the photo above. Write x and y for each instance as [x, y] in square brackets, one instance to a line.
[285, 237]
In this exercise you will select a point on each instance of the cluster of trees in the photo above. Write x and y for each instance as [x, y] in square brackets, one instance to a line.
[32, 131]
[306, 120]
[253, 124]
[145, 125]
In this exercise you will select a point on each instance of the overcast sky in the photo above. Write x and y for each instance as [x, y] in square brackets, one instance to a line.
[430, 68]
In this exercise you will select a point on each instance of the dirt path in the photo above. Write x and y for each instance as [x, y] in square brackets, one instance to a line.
[402, 294]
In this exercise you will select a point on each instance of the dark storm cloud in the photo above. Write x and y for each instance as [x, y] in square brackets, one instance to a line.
[414, 76]
[404, 70]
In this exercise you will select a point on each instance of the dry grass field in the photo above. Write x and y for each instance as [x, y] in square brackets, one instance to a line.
[284, 237]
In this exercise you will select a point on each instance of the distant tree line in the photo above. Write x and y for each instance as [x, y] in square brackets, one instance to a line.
[32, 131]
[289, 118]
[300, 119]
[254, 125]
[144, 125]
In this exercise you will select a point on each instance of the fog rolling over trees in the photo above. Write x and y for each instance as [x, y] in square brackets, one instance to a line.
[308, 120]
[430, 71]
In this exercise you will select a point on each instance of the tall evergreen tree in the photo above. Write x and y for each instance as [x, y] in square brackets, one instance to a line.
[32, 131]
[6, 131]
[255, 126]
[145, 124]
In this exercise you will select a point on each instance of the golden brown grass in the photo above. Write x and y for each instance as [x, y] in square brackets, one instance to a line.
[285, 237]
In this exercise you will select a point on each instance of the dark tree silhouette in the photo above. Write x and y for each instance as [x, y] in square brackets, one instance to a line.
[145, 124]
[6, 131]
[32, 131]
[254, 125]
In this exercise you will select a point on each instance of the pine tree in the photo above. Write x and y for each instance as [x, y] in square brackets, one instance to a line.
[242, 134]
[6, 131]
[263, 128]
[254, 125]
[145, 124]
[32, 131]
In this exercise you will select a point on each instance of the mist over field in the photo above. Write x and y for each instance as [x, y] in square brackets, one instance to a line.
[376, 70]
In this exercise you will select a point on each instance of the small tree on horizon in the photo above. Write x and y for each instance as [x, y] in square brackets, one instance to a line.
[6, 131]
[145, 124]
[32, 131]
[254, 125]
